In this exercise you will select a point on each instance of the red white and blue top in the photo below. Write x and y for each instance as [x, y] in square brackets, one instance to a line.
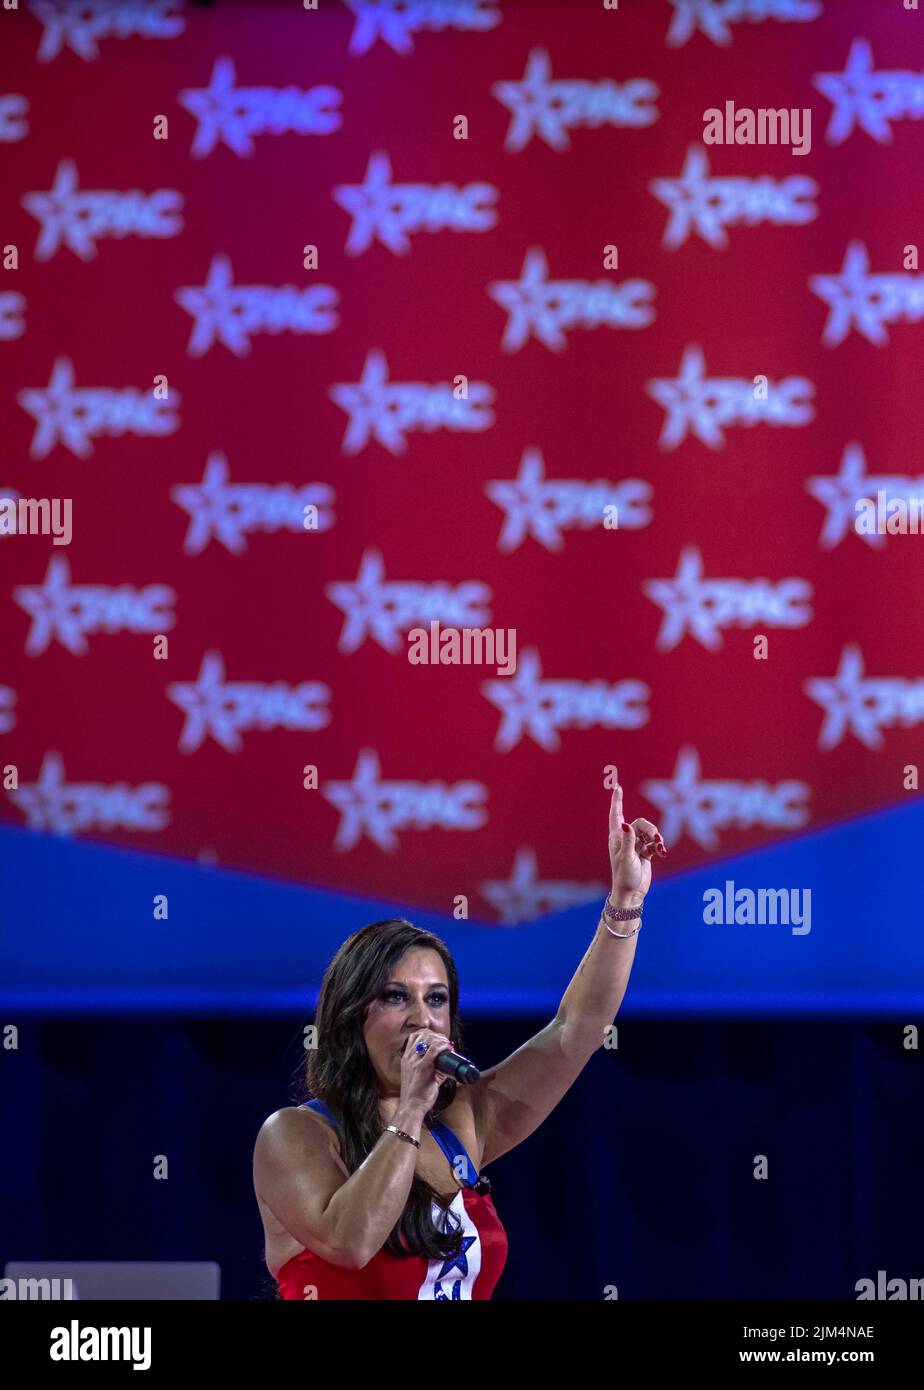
[472, 1274]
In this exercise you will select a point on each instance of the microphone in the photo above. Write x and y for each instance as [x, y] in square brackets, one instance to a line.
[453, 1064]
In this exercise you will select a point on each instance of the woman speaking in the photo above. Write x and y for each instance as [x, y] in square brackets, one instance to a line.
[375, 1188]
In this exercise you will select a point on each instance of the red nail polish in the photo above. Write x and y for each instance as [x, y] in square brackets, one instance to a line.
[624, 826]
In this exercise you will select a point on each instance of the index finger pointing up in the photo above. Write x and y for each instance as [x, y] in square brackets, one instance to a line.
[616, 816]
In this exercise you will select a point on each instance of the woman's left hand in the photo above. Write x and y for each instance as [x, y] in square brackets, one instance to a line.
[631, 852]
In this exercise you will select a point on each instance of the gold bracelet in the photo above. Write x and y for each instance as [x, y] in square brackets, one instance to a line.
[401, 1135]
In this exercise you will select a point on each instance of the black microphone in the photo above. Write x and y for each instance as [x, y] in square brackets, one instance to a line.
[455, 1065]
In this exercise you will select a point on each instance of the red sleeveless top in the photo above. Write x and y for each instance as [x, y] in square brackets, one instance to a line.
[472, 1274]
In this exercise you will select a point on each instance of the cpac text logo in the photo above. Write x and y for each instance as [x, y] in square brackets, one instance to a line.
[52, 803]
[766, 906]
[539, 708]
[534, 505]
[703, 607]
[765, 125]
[75, 219]
[848, 494]
[78, 24]
[228, 313]
[867, 99]
[235, 114]
[699, 807]
[229, 511]
[864, 705]
[383, 608]
[394, 21]
[525, 895]
[703, 406]
[36, 516]
[371, 806]
[389, 211]
[698, 203]
[468, 646]
[76, 414]
[386, 411]
[714, 17]
[549, 108]
[866, 300]
[225, 709]
[546, 309]
[68, 612]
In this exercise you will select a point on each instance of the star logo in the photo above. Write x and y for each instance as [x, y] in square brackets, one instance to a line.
[374, 407]
[211, 509]
[365, 805]
[522, 502]
[60, 213]
[209, 707]
[854, 704]
[862, 97]
[524, 897]
[859, 299]
[532, 304]
[220, 708]
[55, 610]
[57, 411]
[367, 606]
[840, 492]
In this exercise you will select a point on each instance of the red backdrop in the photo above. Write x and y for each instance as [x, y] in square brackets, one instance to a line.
[276, 118]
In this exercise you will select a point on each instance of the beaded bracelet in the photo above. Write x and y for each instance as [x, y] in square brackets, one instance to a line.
[620, 914]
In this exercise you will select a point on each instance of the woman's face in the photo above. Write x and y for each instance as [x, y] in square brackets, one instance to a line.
[416, 995]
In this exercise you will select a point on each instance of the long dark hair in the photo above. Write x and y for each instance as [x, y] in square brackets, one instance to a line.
[339, 1070]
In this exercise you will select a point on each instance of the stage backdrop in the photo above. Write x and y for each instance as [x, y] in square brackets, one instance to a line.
[329, 325]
